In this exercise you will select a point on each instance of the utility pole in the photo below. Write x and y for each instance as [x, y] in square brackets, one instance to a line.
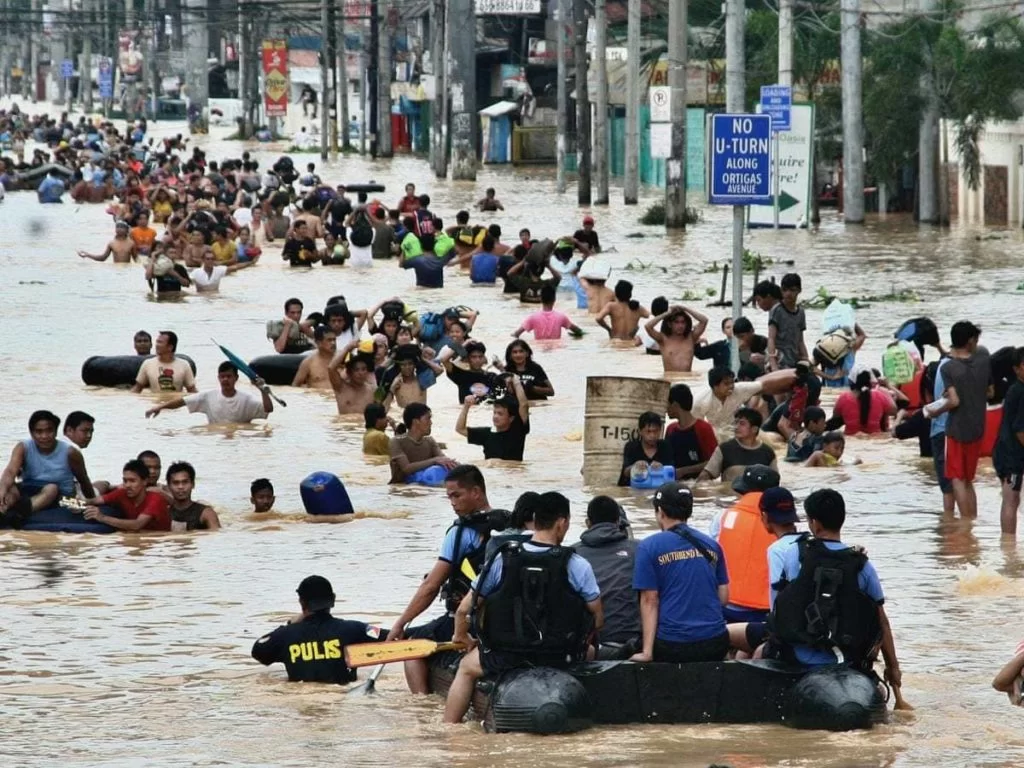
[384, 148]
[735, 84]
[786, 42]
[853, 128]
[35, 33]
[343, 116]
[463, 89]
[583, 156]
[675, 168]
[196, 76]
[243, 74]
[601, 108]
[152, 36]
[927, 137]
[324, 78]
[560, 76]
[438, 153]
[85, 66]
[372, 77]
[631, 186]
[332, 64]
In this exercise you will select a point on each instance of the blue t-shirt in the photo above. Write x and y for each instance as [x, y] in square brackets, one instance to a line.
[50, 190]
[483, 268]
[687, 584]
[867, 581]
[939, 422]
[581, 575]
[776, 563]
[429, 269]
[470, 540]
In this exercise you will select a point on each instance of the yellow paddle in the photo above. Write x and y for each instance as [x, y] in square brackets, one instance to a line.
[365, 654]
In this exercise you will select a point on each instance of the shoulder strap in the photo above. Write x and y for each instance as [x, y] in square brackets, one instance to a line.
[680, 530]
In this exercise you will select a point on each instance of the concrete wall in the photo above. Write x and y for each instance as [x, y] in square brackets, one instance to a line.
[999, 201]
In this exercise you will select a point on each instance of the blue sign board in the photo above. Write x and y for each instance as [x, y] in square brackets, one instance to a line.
[777, 102]
[106, 79]
[740, 160]
[67, 68]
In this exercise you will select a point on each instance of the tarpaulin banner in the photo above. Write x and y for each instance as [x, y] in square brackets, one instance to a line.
[275, 77]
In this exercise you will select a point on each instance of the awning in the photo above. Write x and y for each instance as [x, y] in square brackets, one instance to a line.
[499, 108]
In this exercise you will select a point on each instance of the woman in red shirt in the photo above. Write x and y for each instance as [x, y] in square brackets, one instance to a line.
[864, 408]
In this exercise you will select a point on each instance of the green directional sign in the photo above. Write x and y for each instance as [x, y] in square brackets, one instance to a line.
[786, 201]
[794, 191]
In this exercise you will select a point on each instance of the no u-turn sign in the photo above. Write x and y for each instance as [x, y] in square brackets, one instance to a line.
[740, 164]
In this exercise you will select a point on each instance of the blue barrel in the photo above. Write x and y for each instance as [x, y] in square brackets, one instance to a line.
[325, 494]
[654, 478]
[433, 476]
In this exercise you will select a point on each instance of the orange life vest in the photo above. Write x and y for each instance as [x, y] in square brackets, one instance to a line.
[745, 542]
[912, 390]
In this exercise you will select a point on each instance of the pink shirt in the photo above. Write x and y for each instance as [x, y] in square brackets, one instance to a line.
[848, 406]
[546, 324]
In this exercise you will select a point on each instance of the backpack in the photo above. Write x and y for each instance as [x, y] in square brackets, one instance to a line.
[431, 326]
[361, 234]
[898, 365]
[823, 606]
[832, 348]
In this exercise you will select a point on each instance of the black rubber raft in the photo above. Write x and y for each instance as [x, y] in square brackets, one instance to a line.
[544, 700]
[61, 520]
[277, 370]
[118, 370]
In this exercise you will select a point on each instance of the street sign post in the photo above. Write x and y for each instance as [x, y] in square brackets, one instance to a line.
[777, 103]
[106, 78]
[67, 71]
[661, 103]
[740, 162]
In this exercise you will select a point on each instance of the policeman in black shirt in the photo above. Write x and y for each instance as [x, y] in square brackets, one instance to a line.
[312, 646]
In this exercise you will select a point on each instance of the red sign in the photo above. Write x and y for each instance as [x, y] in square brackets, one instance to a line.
[275, 77]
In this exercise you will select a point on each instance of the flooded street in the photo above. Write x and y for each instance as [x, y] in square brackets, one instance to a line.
[130, 650]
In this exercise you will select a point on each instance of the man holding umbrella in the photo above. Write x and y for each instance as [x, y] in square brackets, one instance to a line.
[226, 405]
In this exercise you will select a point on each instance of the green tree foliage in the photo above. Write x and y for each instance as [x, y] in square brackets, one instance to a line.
[976, 76]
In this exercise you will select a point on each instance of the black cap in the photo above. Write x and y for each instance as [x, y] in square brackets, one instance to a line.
[778, 506]
[674, 496]
[316, 593]
[756, 477]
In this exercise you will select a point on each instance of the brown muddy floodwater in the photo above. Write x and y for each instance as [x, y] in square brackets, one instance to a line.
[134, 650]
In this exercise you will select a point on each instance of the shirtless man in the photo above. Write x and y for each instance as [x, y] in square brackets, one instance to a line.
[406, 387]
[122, 247]
[677, 337]
[314, 225]
[625, 313]
[193, 253]
[355, 386]
[315, 370]
[598, 294]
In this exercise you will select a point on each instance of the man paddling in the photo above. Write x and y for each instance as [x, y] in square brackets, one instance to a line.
[312, 645]
[463, 549]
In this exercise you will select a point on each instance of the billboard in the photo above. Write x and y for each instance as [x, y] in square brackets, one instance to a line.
[796, 153]
[275, 77]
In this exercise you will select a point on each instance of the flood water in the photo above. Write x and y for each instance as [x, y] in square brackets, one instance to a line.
[130, 650]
